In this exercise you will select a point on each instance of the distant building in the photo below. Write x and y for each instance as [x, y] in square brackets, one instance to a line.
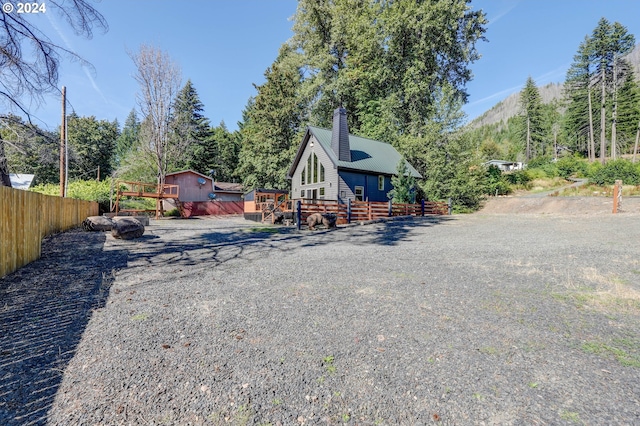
[21, 181]
[335, 165]
[506, 166]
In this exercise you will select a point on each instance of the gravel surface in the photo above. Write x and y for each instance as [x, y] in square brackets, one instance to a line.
[477, 319]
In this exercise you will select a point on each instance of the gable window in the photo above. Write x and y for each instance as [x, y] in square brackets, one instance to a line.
[380, 183]
[309, 169]
[302, 176]
[321, 173]
[359, 193]
[315, 168]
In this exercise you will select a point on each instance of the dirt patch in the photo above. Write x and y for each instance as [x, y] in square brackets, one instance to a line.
[557, 205]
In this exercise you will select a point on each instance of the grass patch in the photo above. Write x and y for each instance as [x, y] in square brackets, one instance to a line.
[328, 363]
[570, 416]
[625, 351]
[140, 317]
[606, 293]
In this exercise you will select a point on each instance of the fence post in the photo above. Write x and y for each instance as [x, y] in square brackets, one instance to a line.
[449, 206]
[617, 196]
[390, 209]
[298, 215]
[422, 207]
[349, 210]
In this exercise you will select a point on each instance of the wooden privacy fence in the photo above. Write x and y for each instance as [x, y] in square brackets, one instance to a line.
[27, 217]
[355, 211]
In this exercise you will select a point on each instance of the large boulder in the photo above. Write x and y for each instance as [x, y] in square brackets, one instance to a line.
[127, 228]
[97, 223]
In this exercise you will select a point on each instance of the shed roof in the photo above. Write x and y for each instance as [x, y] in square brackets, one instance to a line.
[367, 155]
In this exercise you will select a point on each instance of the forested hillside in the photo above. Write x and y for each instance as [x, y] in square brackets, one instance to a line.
[594, 113]
[508, 107]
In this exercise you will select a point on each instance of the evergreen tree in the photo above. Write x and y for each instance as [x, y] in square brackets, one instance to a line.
[404, 185]
[128, 138]
[92, 145]
[578, 123]
[190, 127]
[382, 62]
[271, 130]
[629, 112]
[609, 42]
[531, 116]
[30, 149]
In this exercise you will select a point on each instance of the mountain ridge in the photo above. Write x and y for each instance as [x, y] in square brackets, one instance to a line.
[508, 107]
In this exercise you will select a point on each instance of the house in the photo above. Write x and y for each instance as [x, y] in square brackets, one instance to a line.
[335, 165]
[199, 195]
[21, 181]
[505, 166]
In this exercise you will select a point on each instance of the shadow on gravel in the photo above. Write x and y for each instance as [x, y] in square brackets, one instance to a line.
[44, 309]
[210, 249]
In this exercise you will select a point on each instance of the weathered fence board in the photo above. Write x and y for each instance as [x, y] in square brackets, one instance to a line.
[27, 217]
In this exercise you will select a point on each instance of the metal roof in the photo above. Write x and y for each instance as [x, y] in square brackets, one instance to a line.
[367, 155]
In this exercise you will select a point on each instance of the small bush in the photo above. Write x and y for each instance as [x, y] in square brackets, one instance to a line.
[614, 170]
[571, 166]
[172, 213]
[520, 177]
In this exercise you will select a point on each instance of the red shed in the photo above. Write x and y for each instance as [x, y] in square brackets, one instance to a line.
[201, 196]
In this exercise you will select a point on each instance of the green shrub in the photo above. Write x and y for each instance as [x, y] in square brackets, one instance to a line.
[172, 213]
[88, 190]
[571, 166]
[519, 177]
[614, 170]
[497, 183]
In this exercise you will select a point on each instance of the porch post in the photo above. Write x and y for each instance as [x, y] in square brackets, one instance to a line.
[298, 214]
[349, 210]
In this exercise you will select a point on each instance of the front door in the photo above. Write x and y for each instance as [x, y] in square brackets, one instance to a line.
[314, 195]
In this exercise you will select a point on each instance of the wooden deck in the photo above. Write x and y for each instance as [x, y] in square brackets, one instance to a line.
[146, 190]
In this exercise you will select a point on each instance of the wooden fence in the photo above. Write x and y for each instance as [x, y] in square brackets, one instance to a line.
[356, 211]
[27, 217]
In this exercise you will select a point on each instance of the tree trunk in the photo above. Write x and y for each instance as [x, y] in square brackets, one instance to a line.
[592, 142]
[635, 148]
[528, 138]
[613, 114]
[603, 142]
[4, 170]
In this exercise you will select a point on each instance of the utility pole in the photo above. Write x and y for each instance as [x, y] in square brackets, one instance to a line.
[63, 132]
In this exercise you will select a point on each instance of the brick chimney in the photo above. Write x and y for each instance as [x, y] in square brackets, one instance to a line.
[340, 135]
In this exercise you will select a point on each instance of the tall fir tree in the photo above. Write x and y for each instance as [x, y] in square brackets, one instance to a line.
[531, 119]
[273, 119]
[190, 127]
[128, 139]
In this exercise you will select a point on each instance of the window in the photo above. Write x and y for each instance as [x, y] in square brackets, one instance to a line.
[321, 192]
[359, 193]
[321, 173]
[315, 168]
[302, 194]
[309, 169]
[380, 183]
[302, 176]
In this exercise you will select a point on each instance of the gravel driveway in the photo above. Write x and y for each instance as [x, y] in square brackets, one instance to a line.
[476, 319]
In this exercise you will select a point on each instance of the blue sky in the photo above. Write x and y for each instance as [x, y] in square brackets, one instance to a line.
[224, 46]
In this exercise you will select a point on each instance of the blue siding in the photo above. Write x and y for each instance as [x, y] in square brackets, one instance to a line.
[370, 184]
